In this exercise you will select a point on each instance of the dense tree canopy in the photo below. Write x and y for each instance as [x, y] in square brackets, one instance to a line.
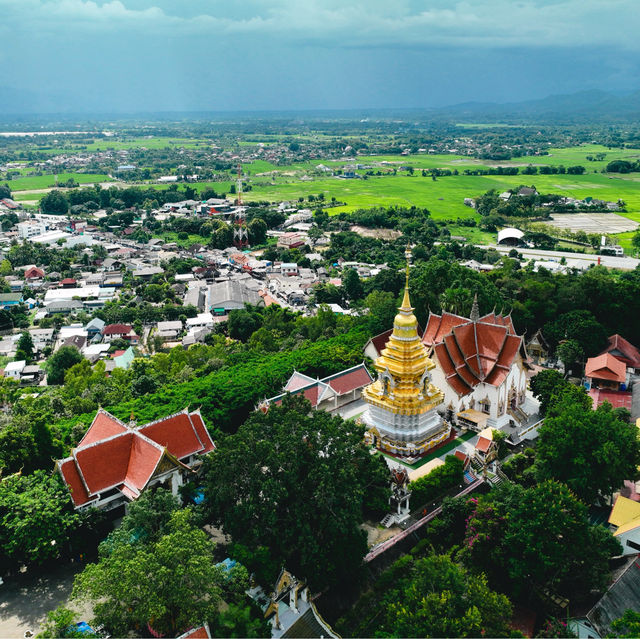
[297, 483]
[37, 519]
[513, 536]
[439, 598]
[60, 362]
[592, 452]
[170, 584]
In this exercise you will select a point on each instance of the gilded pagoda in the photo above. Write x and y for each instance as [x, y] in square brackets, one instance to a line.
[401, 417]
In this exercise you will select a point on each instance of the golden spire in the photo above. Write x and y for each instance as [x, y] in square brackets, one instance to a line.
[403, 364]
[406, 302]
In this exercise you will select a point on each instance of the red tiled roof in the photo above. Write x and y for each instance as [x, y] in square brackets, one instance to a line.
[607, 367]
[463, 457]
[623, 350]
[483, 444]
[115, 455]
[473, 352]
[103, 426]
[440, 325]
[298, 381]
[617, 399]
[203, 433]
[68, 280]
[349, 380]
[117, 329]
[176, 434]
[71, 476]
[33, 272]
[197, 633]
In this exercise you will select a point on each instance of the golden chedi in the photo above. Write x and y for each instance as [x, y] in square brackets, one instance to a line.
[401, 417]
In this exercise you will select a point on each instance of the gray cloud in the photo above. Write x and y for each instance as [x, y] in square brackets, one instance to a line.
[370, 23]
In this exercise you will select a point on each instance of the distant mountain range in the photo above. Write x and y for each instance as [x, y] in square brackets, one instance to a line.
[584, 105]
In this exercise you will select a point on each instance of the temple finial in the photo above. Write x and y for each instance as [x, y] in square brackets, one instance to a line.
[406, 302]
[475, 311]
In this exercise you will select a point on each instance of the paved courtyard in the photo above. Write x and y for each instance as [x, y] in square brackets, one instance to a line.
[26, 599]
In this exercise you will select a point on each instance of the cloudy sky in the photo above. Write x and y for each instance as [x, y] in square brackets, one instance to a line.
[168, 55]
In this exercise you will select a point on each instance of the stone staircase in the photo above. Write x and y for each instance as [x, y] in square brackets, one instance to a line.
[388, 520]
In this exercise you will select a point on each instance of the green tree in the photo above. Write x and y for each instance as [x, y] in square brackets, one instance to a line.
[297, 482]
[352, 284]
[544, 385]
[61, 361]
[24, 347]
[37, 520]
[54, 203]
[580, 326]
[242, 323]
[569, 352]
[628, 626]
[61, 624]
[635, 241]
[170, 584]
[5, 267]
[257, 229]
[592, 452]
[525, 538]
[382, 309]
[440, 598]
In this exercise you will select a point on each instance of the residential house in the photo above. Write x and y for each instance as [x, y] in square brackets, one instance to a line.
[115, 462]
[291, 240]
[94, 327]
[231, 295]
[64, 307]
[625, 524]
[169, 331]
[33, 273]
[606, 372]
[119, 331]
[14, 369]
[8, 300]
[622, 595]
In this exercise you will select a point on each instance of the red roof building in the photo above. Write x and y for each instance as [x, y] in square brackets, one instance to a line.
[114, 462]
[617, 399]
[119, 331]
[329, 393]
[33, 273]
[481, 367]
[605, 371]
[623, 350]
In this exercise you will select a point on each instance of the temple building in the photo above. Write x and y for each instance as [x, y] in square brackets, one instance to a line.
[481, 365]
[115, 462]
[402, 416]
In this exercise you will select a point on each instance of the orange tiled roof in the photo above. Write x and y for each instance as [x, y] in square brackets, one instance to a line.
[116, 455]
[473, 352]
[606, 366]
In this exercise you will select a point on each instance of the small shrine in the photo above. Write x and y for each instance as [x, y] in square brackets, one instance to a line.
[401, 417]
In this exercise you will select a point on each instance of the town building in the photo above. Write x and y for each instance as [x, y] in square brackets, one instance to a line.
[624, 521]
[481, 365]
[115, 462]
[402, 417]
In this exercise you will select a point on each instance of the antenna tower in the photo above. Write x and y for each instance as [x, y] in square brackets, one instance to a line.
[240, 233]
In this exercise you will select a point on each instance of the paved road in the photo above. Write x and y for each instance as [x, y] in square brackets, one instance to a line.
[26, 599]
[578, 259]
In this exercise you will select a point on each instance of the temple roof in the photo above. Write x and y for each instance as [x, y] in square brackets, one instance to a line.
[123, 456]
[470, 352]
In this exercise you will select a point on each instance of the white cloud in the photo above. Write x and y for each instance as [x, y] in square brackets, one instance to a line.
[367, 23]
